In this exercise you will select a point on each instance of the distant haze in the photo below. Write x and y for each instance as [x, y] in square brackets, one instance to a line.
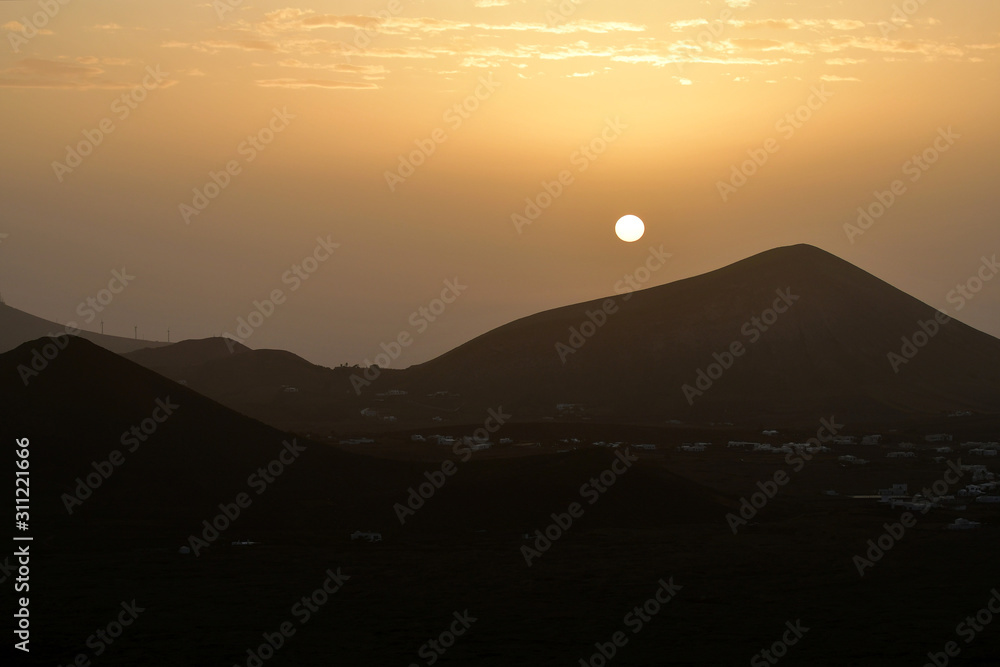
[340, 100]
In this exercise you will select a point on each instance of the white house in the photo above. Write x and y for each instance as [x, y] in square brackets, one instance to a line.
[895, 490]
[962, 524]
[979, 473]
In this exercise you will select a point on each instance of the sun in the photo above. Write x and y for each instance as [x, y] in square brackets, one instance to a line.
[629, 228]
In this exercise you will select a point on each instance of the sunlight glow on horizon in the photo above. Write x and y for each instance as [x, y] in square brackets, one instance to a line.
[477, 107]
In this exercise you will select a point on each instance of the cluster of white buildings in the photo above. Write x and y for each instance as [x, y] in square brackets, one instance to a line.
[450, 441]
[982, 448]
[980, 489]
[979, 473]
[984, 490]
[787, 448]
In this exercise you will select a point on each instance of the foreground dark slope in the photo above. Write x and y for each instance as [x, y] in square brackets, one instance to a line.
[462, 550]
[76, 411]
[828, 353]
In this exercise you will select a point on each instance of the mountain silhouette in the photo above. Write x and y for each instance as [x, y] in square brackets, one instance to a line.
[828, 352]
[17, 326]
[785, 337]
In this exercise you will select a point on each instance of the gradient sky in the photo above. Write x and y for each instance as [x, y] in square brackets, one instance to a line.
[692, 85]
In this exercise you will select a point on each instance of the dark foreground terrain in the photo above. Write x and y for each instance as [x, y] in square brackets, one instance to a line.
[656, 525]
[736, 594]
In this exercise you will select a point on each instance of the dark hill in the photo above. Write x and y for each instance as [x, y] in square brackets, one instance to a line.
[828, 353]
[77, 411]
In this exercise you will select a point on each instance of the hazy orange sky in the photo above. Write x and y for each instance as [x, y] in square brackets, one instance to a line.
[115, 113]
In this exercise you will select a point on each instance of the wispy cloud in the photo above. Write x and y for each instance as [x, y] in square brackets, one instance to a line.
[316, 83]
[62, 75]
